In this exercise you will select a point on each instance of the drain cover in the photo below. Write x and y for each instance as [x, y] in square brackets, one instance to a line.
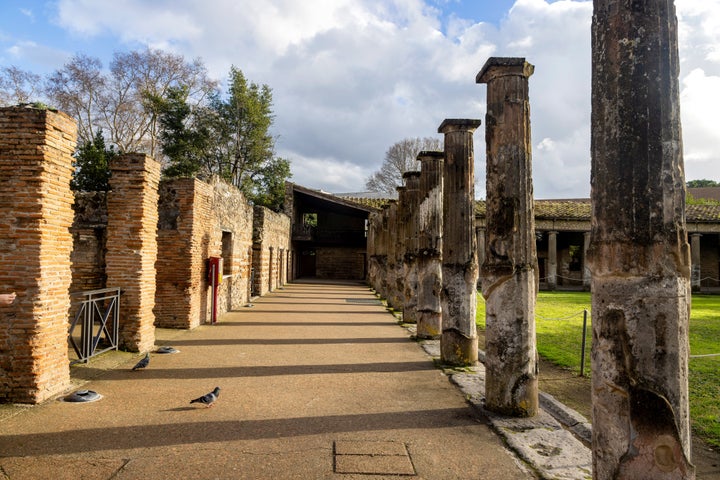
[83, 396]
[167, 350]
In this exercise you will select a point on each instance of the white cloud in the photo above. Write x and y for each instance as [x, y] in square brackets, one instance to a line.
[352, 77]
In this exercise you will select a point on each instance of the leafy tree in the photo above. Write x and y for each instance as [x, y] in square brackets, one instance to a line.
[230, 137]
[702, 183]
[18, 86]
[401, 157]
[92, 165]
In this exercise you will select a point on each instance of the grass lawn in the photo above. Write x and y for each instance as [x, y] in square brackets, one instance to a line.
[558, 322]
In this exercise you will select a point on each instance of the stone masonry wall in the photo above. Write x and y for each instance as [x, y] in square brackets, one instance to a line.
[271, 236]
[184, 218]
[35, 217]
[233, 215]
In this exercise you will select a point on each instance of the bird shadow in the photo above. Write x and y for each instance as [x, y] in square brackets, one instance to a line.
[179, 409]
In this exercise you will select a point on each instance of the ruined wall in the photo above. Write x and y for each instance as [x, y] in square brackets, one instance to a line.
[271, 242]
[192, 218]
[132, 246]
[35, 217]
[89, 231]
[233, 215]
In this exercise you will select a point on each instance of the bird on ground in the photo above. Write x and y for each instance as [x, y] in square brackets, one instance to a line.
[143, 362]
[209, 398]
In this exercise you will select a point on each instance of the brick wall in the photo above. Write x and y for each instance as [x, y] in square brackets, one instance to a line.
[89, 230]
[194, 217]
[271, 241]
[35, 217]
[132, 246]
[340, 263]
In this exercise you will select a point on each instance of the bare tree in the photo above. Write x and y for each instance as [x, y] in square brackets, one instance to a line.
[123, 102]
[137, 78]
[401, 157]
[18, 86]
[78, 89]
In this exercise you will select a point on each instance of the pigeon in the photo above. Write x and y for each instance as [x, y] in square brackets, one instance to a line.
[143, 362]
[209, 398]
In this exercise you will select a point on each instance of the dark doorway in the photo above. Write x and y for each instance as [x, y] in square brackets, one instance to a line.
[307, 263]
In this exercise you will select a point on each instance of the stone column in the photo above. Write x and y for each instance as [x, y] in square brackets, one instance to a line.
[552, 261]
[696, 261]
[398, 276]
[480, 236]
[132, 246]
[459, 343]
[391, 260]
[430, 217]
[639, 254]
[410, 231]
[587, 277]
[36, 148]
[509, 274]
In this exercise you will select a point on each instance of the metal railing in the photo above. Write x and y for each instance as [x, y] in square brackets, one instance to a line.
[98, 316]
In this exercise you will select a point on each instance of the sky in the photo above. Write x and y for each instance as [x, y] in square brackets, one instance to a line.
[352, 77]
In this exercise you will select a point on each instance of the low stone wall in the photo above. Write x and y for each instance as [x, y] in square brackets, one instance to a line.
[341, 263]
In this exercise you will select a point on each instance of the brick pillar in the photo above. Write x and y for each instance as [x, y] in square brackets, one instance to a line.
[459, 343]
[430, 217]
[132, 246]
[35, 245]
[639, 254]
[410, 234]
[509, 274]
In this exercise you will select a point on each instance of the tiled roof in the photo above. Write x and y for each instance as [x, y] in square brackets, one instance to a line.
[572, 209]
[368, 202]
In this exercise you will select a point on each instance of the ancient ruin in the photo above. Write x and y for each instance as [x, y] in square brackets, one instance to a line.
[429, 309]
[410, 233]
[509, 273]
[35, 216]
[640, 258]
[459, 343]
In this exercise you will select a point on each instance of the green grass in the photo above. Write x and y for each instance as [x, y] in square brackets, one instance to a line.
[558, 323]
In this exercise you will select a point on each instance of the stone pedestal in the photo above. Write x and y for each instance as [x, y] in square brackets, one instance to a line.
[458, 344]
[509, 274]
[639, 255]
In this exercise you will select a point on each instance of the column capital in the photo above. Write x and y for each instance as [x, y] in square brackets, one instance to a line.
[450, 125]
[430, 154]
[410, 173]
[503, 66]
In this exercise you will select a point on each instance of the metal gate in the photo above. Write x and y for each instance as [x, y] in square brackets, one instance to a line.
[98, 316]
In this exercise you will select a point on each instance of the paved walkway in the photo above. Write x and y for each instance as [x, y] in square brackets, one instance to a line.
[318, 381]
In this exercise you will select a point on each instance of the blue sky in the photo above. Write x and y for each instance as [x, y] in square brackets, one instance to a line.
[352, 77]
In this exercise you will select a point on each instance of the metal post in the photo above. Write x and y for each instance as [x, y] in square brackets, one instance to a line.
[582, 349]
